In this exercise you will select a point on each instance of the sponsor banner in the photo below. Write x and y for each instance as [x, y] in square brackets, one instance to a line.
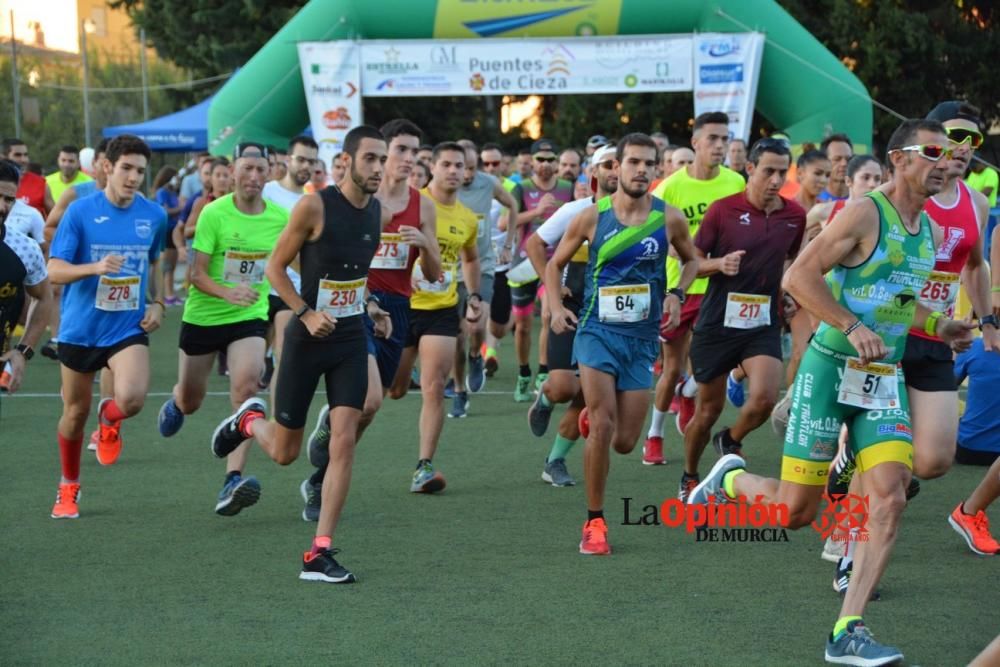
[331, 76]
[726, 71]
[533, 18]
[571, 65]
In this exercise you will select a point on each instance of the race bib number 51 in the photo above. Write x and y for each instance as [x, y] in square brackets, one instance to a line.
[341, 298]
[623, 303]
[118, 294]
[872, 386]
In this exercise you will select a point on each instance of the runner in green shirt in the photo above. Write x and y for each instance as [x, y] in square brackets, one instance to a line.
[226, 309]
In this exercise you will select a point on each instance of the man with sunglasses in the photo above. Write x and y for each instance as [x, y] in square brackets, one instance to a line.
[226, 308]
[563, 383]
[692, 189]
[961, 214]
[538, 198]
[302, 156]
[878, 257]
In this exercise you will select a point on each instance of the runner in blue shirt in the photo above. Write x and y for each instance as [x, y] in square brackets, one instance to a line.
[105, 249]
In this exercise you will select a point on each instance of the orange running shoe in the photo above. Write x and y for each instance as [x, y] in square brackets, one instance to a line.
[583, 423]
[652, 452]
[109, 439]
[975, 529]
[94, 437]
[5, 381]
[66, 499]
[595, 538]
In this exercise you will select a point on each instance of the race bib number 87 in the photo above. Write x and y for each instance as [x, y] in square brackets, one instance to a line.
[118, 294]
[245, 268]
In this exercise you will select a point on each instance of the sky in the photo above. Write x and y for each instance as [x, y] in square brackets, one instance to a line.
[57, 18]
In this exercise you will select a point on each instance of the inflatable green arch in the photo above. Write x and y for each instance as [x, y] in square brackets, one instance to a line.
[803, 88]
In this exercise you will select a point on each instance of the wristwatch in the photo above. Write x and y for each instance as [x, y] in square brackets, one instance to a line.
[990, 319]
[25, 351]
[679, 293]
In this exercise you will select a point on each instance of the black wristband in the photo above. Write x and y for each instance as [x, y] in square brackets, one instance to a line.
[849, 330]
[302, 311]
[475, 294]
[373, 299]
[679, 293]
[990, 319]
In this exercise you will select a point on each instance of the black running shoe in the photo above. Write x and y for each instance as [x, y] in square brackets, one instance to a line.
[51, 350]
[913, 489]
[841, 473]
[324, 567]
[312, 495]
[228, 436]
[724, 444]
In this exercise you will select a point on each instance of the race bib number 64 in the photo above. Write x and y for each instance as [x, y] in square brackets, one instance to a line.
[623, 303]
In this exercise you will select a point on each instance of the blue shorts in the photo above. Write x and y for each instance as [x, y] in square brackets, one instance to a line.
[627, 358]
[388, 351]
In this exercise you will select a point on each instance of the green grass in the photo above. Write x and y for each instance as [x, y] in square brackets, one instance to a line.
[487, 572]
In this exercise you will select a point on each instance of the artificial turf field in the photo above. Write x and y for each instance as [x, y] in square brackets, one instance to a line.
[486, 572]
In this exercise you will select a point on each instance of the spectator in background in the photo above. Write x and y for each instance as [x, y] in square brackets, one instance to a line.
[979, 444]
[191, 185]
[506, 165]
[840, 150]
[596, 142]
[664, 168]
[661, 140]
[680, 159]
[523, 166]
[69, 172]
[339, 165]
[985, 179]
[425, 154]
[736, 157]
[167, 196]
[420, 176]
[317, 181]
[32, 190]
[277, 163]
[569, 165]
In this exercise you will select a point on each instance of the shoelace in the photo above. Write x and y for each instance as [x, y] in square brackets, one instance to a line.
[981, 522]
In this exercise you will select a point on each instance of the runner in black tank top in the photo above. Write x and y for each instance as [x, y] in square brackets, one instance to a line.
[335, 233]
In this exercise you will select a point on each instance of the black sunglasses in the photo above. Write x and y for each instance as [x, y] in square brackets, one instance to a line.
[250, 149]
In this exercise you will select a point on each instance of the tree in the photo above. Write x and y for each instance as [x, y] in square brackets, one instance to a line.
[911, 54]
[209, 36]
[50, 91]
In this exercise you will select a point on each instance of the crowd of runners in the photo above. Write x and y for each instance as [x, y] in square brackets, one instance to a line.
[684, 277]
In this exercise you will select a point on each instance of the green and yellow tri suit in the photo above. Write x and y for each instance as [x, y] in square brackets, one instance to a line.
[831, 388]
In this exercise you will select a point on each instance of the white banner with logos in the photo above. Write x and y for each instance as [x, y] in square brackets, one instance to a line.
[570, 65]
[331, 76]
[726, 71]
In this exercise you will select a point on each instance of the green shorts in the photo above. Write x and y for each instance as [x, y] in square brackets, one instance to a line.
[815, 418]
